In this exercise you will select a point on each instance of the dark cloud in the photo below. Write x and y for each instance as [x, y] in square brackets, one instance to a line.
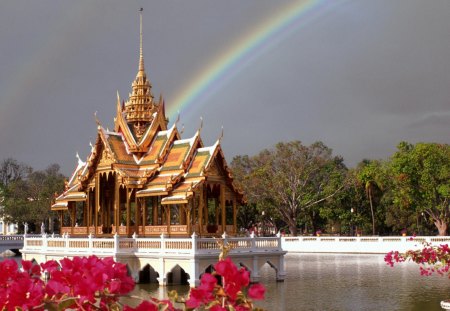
[360, 76]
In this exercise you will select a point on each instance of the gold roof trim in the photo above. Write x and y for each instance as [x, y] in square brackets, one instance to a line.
[60, 206]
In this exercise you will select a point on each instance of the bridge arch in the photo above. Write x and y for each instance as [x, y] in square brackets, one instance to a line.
[177, 276]
[148, 275]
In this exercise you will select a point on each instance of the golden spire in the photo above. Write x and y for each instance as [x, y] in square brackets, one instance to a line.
[141, 57]
[140, 107]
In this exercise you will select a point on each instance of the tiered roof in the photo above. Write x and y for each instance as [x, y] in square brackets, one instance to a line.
[145, 153]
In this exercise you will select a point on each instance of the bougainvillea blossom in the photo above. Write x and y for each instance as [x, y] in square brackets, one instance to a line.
[92, 283]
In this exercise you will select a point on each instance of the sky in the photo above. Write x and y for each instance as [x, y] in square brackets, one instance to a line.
[359, 75]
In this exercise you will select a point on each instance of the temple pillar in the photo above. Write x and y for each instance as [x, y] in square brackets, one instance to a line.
[155, 211]
[83, 224]
[97, 201]
[216, 210]
[205, 206]
[137, 213]
[72, 215]
[200, 211]
[168, 216]
[144, 214]
[61, 221]
[128, 212]
[222, 207]
[188, 219]
[86, 214]
[182, 213]
[116, 203]
[235, 216]
[88, 209]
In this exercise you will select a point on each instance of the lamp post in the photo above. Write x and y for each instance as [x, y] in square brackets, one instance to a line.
[262, 224]
[421, 227]
[351, 221]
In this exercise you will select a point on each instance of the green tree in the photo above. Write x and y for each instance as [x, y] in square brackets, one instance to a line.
[370, 174]
[292, 179]
[11, 170]
[344, 209]
[28, 198]
[421, 181]
[248, 216]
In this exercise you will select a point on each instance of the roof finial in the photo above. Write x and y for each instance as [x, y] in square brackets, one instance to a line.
[221, 136]
[97, 120]
[141, 57]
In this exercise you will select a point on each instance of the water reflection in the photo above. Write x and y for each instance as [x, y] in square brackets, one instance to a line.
[339, 282]
[344, 282]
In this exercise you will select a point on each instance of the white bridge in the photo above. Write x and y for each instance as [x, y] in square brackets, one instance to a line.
[183, 260]
[11, 242]
[164, 260]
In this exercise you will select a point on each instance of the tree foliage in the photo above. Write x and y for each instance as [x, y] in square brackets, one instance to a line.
[28, 194]
[371, 174]
[421, 179]
[11, 170]
[291, 180]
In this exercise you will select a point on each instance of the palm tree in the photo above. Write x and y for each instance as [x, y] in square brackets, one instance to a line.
[369, 173]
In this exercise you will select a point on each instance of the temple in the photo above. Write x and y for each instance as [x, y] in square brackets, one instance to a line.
[143, 178]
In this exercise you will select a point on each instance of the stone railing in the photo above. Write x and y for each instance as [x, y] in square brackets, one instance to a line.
[11, 237]
[13, 241]
[117, 245]
[369, 245]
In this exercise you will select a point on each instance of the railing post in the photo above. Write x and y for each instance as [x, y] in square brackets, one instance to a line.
[44, 242]
[116, 244]
[194, 243]
[134, 236]
[66, 242]
[253, 242]
[25, 230]
[280, 247]
[90, 244]
[163, 243]
[225, 239]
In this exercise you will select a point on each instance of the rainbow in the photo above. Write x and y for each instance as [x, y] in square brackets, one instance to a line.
[248, 48]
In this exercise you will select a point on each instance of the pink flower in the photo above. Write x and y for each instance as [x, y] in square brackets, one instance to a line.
[208, 282]
[226, 268]
[144, 306]
[217, 308]
[197, 297]
[256, 291]
[50, 266]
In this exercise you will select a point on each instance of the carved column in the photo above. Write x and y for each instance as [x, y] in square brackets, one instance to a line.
[73, 208]
[116, 203]
[61, 221]
[235, 216]
[97, 200]
[222, 206]
[88, 209]
[155, 211]
[144, 214]
[168, 216]
[188, 219]
[200, 211]
[128, 213]
[137, 213]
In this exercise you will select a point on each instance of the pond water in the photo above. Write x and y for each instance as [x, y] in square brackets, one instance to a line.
[340, 282]
[343, 282]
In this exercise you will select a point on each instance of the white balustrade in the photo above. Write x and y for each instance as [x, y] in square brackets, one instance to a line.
[162, 245]
[199, 245]
[368, 245]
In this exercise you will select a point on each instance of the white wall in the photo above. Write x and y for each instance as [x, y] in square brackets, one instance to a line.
[363, 245]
